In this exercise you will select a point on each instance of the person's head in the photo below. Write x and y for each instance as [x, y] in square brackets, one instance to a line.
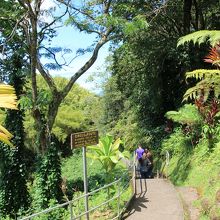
[144, 156]
[148, 154]
[139, 146]
[146, 150]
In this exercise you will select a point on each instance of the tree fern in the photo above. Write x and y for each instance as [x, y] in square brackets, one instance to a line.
[202, 36]
[210, 79]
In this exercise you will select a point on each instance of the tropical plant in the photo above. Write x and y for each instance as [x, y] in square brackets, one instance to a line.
[14, 193]
[7, 100]
[209, 79]
[107, 153]
[188, 114]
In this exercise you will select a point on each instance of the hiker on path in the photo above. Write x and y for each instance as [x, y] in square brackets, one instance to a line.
[150, 168]
[145, 166]
[139, 153]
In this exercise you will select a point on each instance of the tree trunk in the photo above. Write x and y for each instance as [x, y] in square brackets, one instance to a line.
[53, 110]
[196, 15]
[199, 16]
[33, 52]
[187, 15]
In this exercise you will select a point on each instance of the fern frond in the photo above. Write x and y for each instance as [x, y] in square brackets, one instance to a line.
[204, 87]
[202, 73]
[202, 36]
[188, 114]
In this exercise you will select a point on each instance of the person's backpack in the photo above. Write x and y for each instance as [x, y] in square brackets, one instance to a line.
[144, 169]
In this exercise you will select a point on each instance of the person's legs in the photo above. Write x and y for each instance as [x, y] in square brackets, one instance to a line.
[149, 173]
[142, 174]
[145, 175]
[137, 165]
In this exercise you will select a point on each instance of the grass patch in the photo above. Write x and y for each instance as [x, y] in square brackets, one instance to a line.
[199, 168]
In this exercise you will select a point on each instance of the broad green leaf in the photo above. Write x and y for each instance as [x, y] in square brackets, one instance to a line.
[114, 159]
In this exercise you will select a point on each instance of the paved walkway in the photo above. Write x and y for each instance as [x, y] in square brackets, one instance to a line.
[156, 199]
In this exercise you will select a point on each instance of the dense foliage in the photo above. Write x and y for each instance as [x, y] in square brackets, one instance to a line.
[78, 112]
[148, 71]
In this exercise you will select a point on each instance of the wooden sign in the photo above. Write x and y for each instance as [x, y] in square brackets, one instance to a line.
[83, 139]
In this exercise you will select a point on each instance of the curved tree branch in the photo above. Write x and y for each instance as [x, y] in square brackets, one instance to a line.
[84, 68]
[47, 77]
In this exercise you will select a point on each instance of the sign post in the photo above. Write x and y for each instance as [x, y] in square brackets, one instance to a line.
[83, 139]
[85, 182]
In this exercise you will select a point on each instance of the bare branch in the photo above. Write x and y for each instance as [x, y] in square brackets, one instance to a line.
[50, 24]
[37, 7]
[15, 28]
[12, 33]
[87, 29]
[67, 64]
[54, 56]
[77, 9]
[28, 7]
[172, 20]
[23, 4]
[55, 59]
[156, 12]
[107, 6]
[25, 28]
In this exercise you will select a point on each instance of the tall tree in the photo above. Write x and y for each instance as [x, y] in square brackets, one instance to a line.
[96, 17]
[187, 15]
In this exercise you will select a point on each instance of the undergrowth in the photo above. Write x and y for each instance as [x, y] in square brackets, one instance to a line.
[198, 167]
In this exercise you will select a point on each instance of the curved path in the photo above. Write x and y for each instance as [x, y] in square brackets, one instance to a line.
[156, 199]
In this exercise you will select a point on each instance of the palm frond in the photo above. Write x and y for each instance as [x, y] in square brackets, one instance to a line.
[202, 36]
[7, 97]
[7, 100]
[5, 136]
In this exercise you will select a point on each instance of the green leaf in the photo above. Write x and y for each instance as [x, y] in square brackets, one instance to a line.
[114, 159]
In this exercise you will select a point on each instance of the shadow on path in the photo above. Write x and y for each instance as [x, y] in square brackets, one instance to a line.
[136, 205]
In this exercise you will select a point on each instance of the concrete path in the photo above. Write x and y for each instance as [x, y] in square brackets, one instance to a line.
[156, 199]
